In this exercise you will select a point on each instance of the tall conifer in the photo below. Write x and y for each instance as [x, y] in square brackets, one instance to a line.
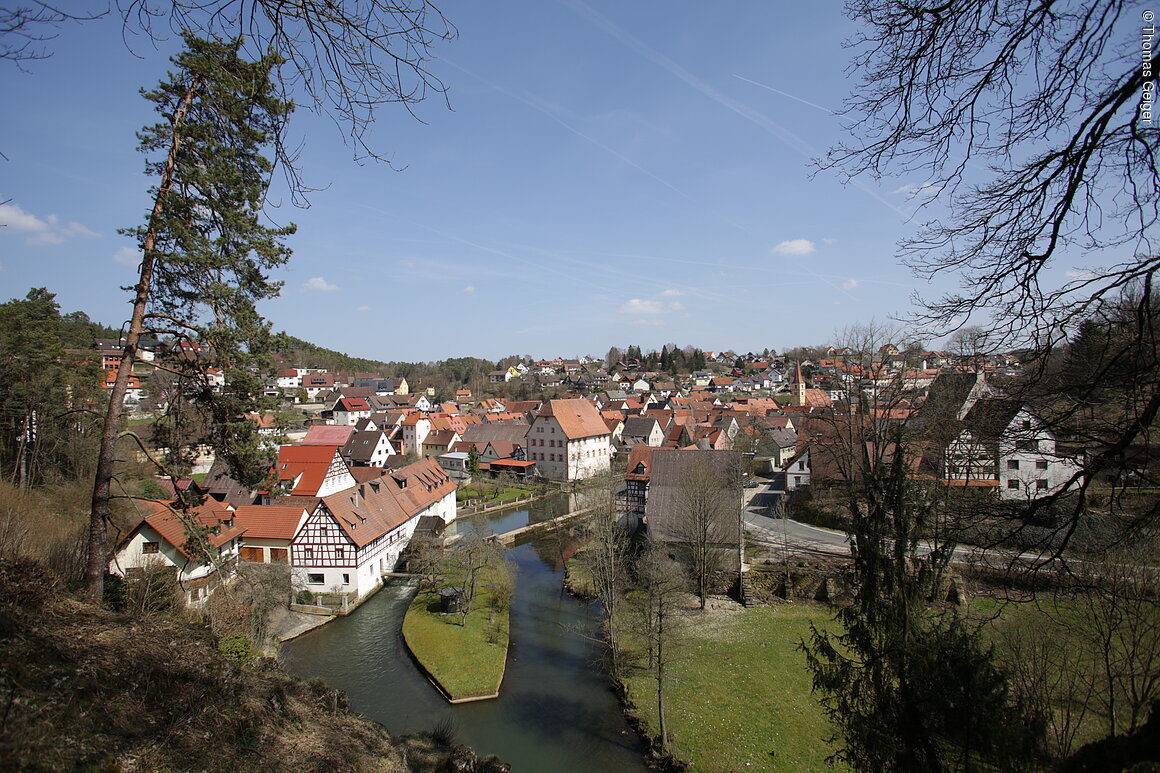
[205, 255]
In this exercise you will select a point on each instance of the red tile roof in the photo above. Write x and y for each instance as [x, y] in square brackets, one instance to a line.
[270, 521]
[309, 462]
[577, 418]
[328, 435]
[172, 526]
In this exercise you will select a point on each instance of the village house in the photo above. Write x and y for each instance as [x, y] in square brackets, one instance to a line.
[268, 531]
[568, 440]
[693, 502]
[353, 536]
[160, 541]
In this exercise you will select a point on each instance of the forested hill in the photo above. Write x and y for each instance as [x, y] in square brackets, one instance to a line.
[298, 353]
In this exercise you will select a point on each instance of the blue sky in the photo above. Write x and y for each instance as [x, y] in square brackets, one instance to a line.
[608, 173]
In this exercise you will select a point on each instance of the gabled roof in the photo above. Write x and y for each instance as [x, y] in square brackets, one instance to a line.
[639, 463]
[307, 465]
[270, 521]
[577, 418]
[680, 481]
[512, 432]
[328, 435]
[172, 526]
[372, 509]
[639, 426]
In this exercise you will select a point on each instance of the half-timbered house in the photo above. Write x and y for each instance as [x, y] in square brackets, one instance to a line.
[353, 536]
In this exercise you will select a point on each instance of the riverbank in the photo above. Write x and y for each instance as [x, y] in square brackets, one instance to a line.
[92, 689]
[555, 710]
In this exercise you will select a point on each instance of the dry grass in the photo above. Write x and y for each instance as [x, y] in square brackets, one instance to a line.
[88, 689]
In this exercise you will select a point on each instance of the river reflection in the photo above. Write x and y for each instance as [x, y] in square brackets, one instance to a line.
[555, 711]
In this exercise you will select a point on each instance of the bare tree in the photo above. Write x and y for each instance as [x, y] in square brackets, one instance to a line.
[662, 584]
[707, 519]
[606, 558]
[1043, 93]
[348, 58]
[1118, 617]
[1028, 123]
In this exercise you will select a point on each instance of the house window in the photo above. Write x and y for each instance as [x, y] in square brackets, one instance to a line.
[1012, 464]
[315, 579]
[150, 547]
[345, 578]
[1013, 484]
[195, 594]
[797, 479]
[1041, 484]
[1041, 465]
[340, 552]
[1027, 424]
[308, 553]
[801, 465]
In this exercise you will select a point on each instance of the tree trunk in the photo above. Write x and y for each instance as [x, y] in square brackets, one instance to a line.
[98, 547]
[663, 732]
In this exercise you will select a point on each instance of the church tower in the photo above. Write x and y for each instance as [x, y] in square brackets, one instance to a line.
[799, 385]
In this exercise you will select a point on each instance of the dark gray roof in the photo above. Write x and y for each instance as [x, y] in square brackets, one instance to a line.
[638, 426]
[683, 483]
[510, 432]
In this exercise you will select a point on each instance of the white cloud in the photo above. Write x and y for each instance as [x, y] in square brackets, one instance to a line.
[795, 247]
[672, 293]
[648, 322]
[849, 284]
[127, 256]
[46, 230]
[320, 284]
[640, 306]
[676, 306]
[469, 289]
[1080, 275]
[363, 309]
[828, 240]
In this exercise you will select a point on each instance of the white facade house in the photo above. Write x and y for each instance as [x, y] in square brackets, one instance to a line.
[160, 541]
[797, 471]
[352, 537]
[416, 428]
[1004, 445]
[568, 440]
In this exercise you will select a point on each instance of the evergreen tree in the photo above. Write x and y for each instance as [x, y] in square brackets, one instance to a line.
[205, 255]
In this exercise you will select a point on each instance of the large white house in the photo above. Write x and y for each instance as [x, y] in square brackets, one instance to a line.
[568, 440]
[352, 536]
[1003, 444]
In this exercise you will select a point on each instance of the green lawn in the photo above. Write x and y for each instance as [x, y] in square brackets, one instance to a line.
[492, 494]
[466, 660]
[739, 697]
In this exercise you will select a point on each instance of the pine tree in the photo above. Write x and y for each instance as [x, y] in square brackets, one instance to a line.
[205, 254]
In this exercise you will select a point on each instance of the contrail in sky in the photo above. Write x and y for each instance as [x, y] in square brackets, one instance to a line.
[746, 112]
[786, 94]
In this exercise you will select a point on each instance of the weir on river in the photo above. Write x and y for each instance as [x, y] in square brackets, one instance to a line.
[555, 712]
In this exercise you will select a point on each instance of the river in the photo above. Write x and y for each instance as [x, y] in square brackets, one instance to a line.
[555, 711]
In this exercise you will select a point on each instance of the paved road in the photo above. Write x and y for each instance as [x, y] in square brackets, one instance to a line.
[766, 526]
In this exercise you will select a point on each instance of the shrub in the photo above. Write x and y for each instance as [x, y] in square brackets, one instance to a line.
[236, 648]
